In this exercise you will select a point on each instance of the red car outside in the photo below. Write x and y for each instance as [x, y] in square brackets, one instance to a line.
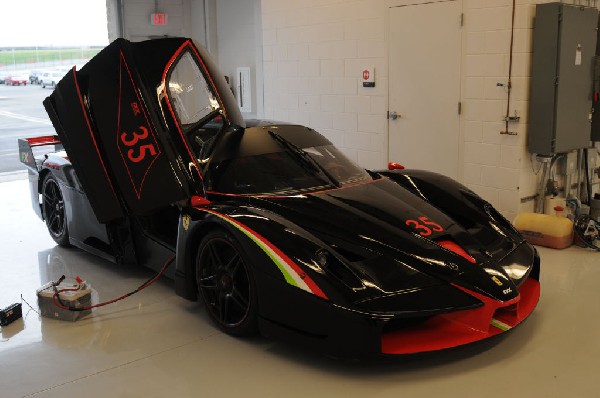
[15, 80]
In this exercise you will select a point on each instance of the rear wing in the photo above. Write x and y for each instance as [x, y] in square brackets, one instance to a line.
[26, 146]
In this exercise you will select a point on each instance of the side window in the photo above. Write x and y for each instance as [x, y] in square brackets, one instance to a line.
[203, 138]
[189, 92]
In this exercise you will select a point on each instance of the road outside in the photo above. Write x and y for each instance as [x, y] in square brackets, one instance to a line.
[21, 115]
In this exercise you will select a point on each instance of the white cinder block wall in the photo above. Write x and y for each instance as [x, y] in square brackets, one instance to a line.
[313, 54]
[497, 167]
[237, 46]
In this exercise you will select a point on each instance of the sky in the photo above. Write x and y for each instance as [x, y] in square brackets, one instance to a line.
[53, 23]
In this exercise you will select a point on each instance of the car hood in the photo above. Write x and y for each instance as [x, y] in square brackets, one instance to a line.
[394, 240]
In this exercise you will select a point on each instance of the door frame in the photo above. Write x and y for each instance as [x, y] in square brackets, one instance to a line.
[389, 4]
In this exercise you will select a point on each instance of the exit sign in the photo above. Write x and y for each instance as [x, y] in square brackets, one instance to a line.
[158, 19]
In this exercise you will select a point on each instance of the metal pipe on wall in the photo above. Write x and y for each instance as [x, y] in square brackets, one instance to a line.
[121, 10]
[579, 166]
[541, 192]
[205, 7]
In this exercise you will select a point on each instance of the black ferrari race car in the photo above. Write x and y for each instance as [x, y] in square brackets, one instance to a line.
[272, 226]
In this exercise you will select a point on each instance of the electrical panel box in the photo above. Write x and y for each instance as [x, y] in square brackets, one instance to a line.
[564, 46]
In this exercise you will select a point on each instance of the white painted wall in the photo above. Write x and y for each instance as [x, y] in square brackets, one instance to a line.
[204, 24]
[113, 19]
[239, 43]
[314, 51]
[496, 166]
[198, 25]
[311, 54]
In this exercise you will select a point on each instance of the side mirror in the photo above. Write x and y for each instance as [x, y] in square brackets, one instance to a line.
[395, 166]
[199, 201]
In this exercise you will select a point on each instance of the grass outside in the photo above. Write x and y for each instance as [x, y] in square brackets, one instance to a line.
[9, 57]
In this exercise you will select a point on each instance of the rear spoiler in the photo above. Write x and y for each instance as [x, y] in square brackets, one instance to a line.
[26, 151]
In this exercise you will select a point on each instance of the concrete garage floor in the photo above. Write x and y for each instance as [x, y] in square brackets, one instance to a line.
[156, 344]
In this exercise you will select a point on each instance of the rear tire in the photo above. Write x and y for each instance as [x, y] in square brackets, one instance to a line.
[53, 210]
[226, 284]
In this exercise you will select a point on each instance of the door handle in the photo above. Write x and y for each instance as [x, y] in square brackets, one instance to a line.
[393, 115]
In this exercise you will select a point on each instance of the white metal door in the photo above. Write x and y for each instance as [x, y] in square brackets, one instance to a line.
[424, 86]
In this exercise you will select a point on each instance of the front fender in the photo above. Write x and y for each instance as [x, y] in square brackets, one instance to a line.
[278, 249]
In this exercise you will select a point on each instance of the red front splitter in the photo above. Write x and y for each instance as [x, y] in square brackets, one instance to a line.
[464, 327]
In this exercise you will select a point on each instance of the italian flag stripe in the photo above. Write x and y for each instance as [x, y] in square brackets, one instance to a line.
[292, 273]
[500, 325]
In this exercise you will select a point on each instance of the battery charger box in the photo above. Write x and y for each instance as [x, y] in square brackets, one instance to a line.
[10, 314]
[80, 298]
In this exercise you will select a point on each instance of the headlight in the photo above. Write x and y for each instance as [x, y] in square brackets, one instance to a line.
[330, 263]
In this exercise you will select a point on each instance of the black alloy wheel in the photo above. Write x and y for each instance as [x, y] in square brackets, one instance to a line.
[226, 285]
[53, 209]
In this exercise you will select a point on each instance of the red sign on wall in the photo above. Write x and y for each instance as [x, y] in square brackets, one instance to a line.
[158, 19]
[368, 77]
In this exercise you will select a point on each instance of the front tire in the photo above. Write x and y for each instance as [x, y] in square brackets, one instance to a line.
[225, 283]
[53, 209]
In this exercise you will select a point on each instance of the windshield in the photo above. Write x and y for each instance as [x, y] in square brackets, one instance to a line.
[189, 92]
[285, 173]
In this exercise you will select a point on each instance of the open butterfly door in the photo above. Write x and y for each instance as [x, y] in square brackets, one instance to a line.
[125, 117]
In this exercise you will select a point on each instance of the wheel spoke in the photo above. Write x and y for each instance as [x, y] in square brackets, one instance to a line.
[54, 189]
[225, 307]
[59, 220]
[53, 210]
[48, 198]
[220, 305]
[236, 267]
[52, 221]
[232, 263]
[214, 256]
[223, 282]
[239, 299]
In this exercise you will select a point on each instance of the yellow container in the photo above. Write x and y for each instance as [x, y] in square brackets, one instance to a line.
[545, 230]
